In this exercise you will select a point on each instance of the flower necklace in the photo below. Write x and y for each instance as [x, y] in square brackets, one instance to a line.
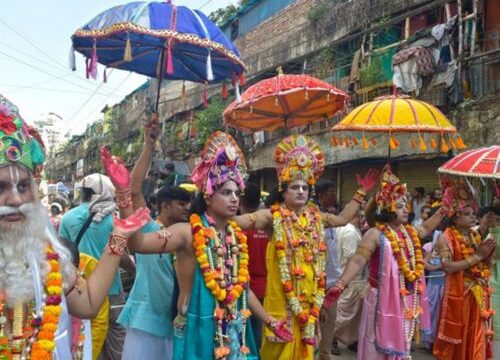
[35, 338]
[480, 273]
[298, 240]
[414, 269]
[224, 265]
[480, 270]
[410, 273]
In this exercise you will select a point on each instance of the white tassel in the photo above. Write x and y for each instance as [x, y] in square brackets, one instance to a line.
[237, 90]
[210, 73]
[71, 59]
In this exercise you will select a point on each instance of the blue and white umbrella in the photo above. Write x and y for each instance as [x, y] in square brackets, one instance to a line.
[159, 40]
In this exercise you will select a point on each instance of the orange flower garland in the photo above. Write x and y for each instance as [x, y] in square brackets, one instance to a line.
[480, 270]
[305, 234]
[226, 277]
[42, 330]
[410, 274]
[214, 279]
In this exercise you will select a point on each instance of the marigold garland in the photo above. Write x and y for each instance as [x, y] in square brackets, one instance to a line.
[226, 277]
[37, 337]
[293, 234]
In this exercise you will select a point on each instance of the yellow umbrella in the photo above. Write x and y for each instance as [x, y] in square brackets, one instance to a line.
[398, 114]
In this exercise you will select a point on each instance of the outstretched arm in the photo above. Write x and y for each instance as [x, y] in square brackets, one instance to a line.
[259, 220]
[356, 263]
[431, 223]
[86, 297]
[366, 184]
[143, 164]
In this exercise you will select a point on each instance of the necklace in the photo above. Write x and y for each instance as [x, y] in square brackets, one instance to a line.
[33, 338]
[298, 241]
[407, 252]
[224, 265]
[468, 245]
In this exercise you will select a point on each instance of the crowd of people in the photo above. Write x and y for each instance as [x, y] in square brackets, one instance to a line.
[224, 274]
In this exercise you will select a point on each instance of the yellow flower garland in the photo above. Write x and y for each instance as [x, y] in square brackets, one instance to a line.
[291, 234]
[480, 270]
[42, 329]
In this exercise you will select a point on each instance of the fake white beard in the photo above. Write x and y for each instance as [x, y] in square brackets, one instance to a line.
[25, 240]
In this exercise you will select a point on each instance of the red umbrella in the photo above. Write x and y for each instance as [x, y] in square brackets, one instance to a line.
[284, 101]
[483, 163]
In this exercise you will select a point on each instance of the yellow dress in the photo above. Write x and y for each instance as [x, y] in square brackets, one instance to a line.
[275, 303]
[99, 324]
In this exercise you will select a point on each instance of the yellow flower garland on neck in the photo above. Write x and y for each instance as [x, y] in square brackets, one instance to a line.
[292, 232]
[481, 270]
[42, 331]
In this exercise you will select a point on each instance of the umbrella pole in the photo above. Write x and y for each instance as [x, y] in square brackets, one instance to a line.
[160, 78]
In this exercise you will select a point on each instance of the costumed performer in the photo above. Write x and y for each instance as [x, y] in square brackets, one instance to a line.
[295, 259]
[39, 285]
[214, 300]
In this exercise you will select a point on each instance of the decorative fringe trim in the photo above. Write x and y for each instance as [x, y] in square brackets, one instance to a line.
[434, 144]
[210, 73]
[422, 145]
[354, 141]
[127, 55]
[238, 95]
[444, 145]
[71, 59]
[170, 60]
[413, 143]
[333, 141]
[393, 143]
[460, 143]
[364, 143]
[93, 62]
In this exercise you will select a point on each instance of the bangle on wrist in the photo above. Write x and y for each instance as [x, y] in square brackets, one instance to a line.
[359, 196]
[123, 198]
[117, 244]
[341, 284]
[473, 260]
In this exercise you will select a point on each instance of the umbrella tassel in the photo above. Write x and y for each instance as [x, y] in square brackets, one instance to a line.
[87, 68]
[210, 73]
[93, 63]
[460, 143]
[413, 143]
[205, 96]
[346, 141]
[170, 60]
[423, 146]
[364, 142]
[242, 80]
[333, 141]
[238, 95]
[393, 143]
[374, 141]
[224, 91]
[452, 142]
[444, 145]
[433, 143]
[127, 55]
[72, 60]
[354, 141]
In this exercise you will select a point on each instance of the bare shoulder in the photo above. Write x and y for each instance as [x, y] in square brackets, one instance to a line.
[372, 237]
[181, 230]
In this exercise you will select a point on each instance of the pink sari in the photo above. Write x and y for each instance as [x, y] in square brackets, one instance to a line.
[381, 335]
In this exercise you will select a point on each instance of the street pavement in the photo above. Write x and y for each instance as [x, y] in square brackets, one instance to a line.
[418, 354]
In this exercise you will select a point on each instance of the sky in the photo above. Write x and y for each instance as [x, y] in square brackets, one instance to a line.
[34, 51]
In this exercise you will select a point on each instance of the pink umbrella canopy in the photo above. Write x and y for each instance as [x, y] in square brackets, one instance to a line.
[482, 162]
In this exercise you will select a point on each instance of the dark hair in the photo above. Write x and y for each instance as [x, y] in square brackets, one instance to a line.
[87, 194]
[251, 196]
[385, 216]
[167, 194]
[420, 190]
[425, 207]
[170, 166]
[484, 210]
[323, 185]
[198, 205]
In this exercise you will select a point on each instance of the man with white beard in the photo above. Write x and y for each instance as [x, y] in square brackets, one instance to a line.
[39, 286]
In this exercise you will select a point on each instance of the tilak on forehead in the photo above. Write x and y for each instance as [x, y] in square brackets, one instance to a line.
[20, 144]
[221, 160]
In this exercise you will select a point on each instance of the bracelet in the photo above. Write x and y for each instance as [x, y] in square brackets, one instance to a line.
[270, 322]
[473, 260]
[164, 235]
[341, 284]
[117, 244]
[253, 220]
[123, 198]
[363, 251]
[359, 196]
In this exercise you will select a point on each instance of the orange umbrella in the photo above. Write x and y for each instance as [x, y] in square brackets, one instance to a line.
[398, 114]
[284, 101]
